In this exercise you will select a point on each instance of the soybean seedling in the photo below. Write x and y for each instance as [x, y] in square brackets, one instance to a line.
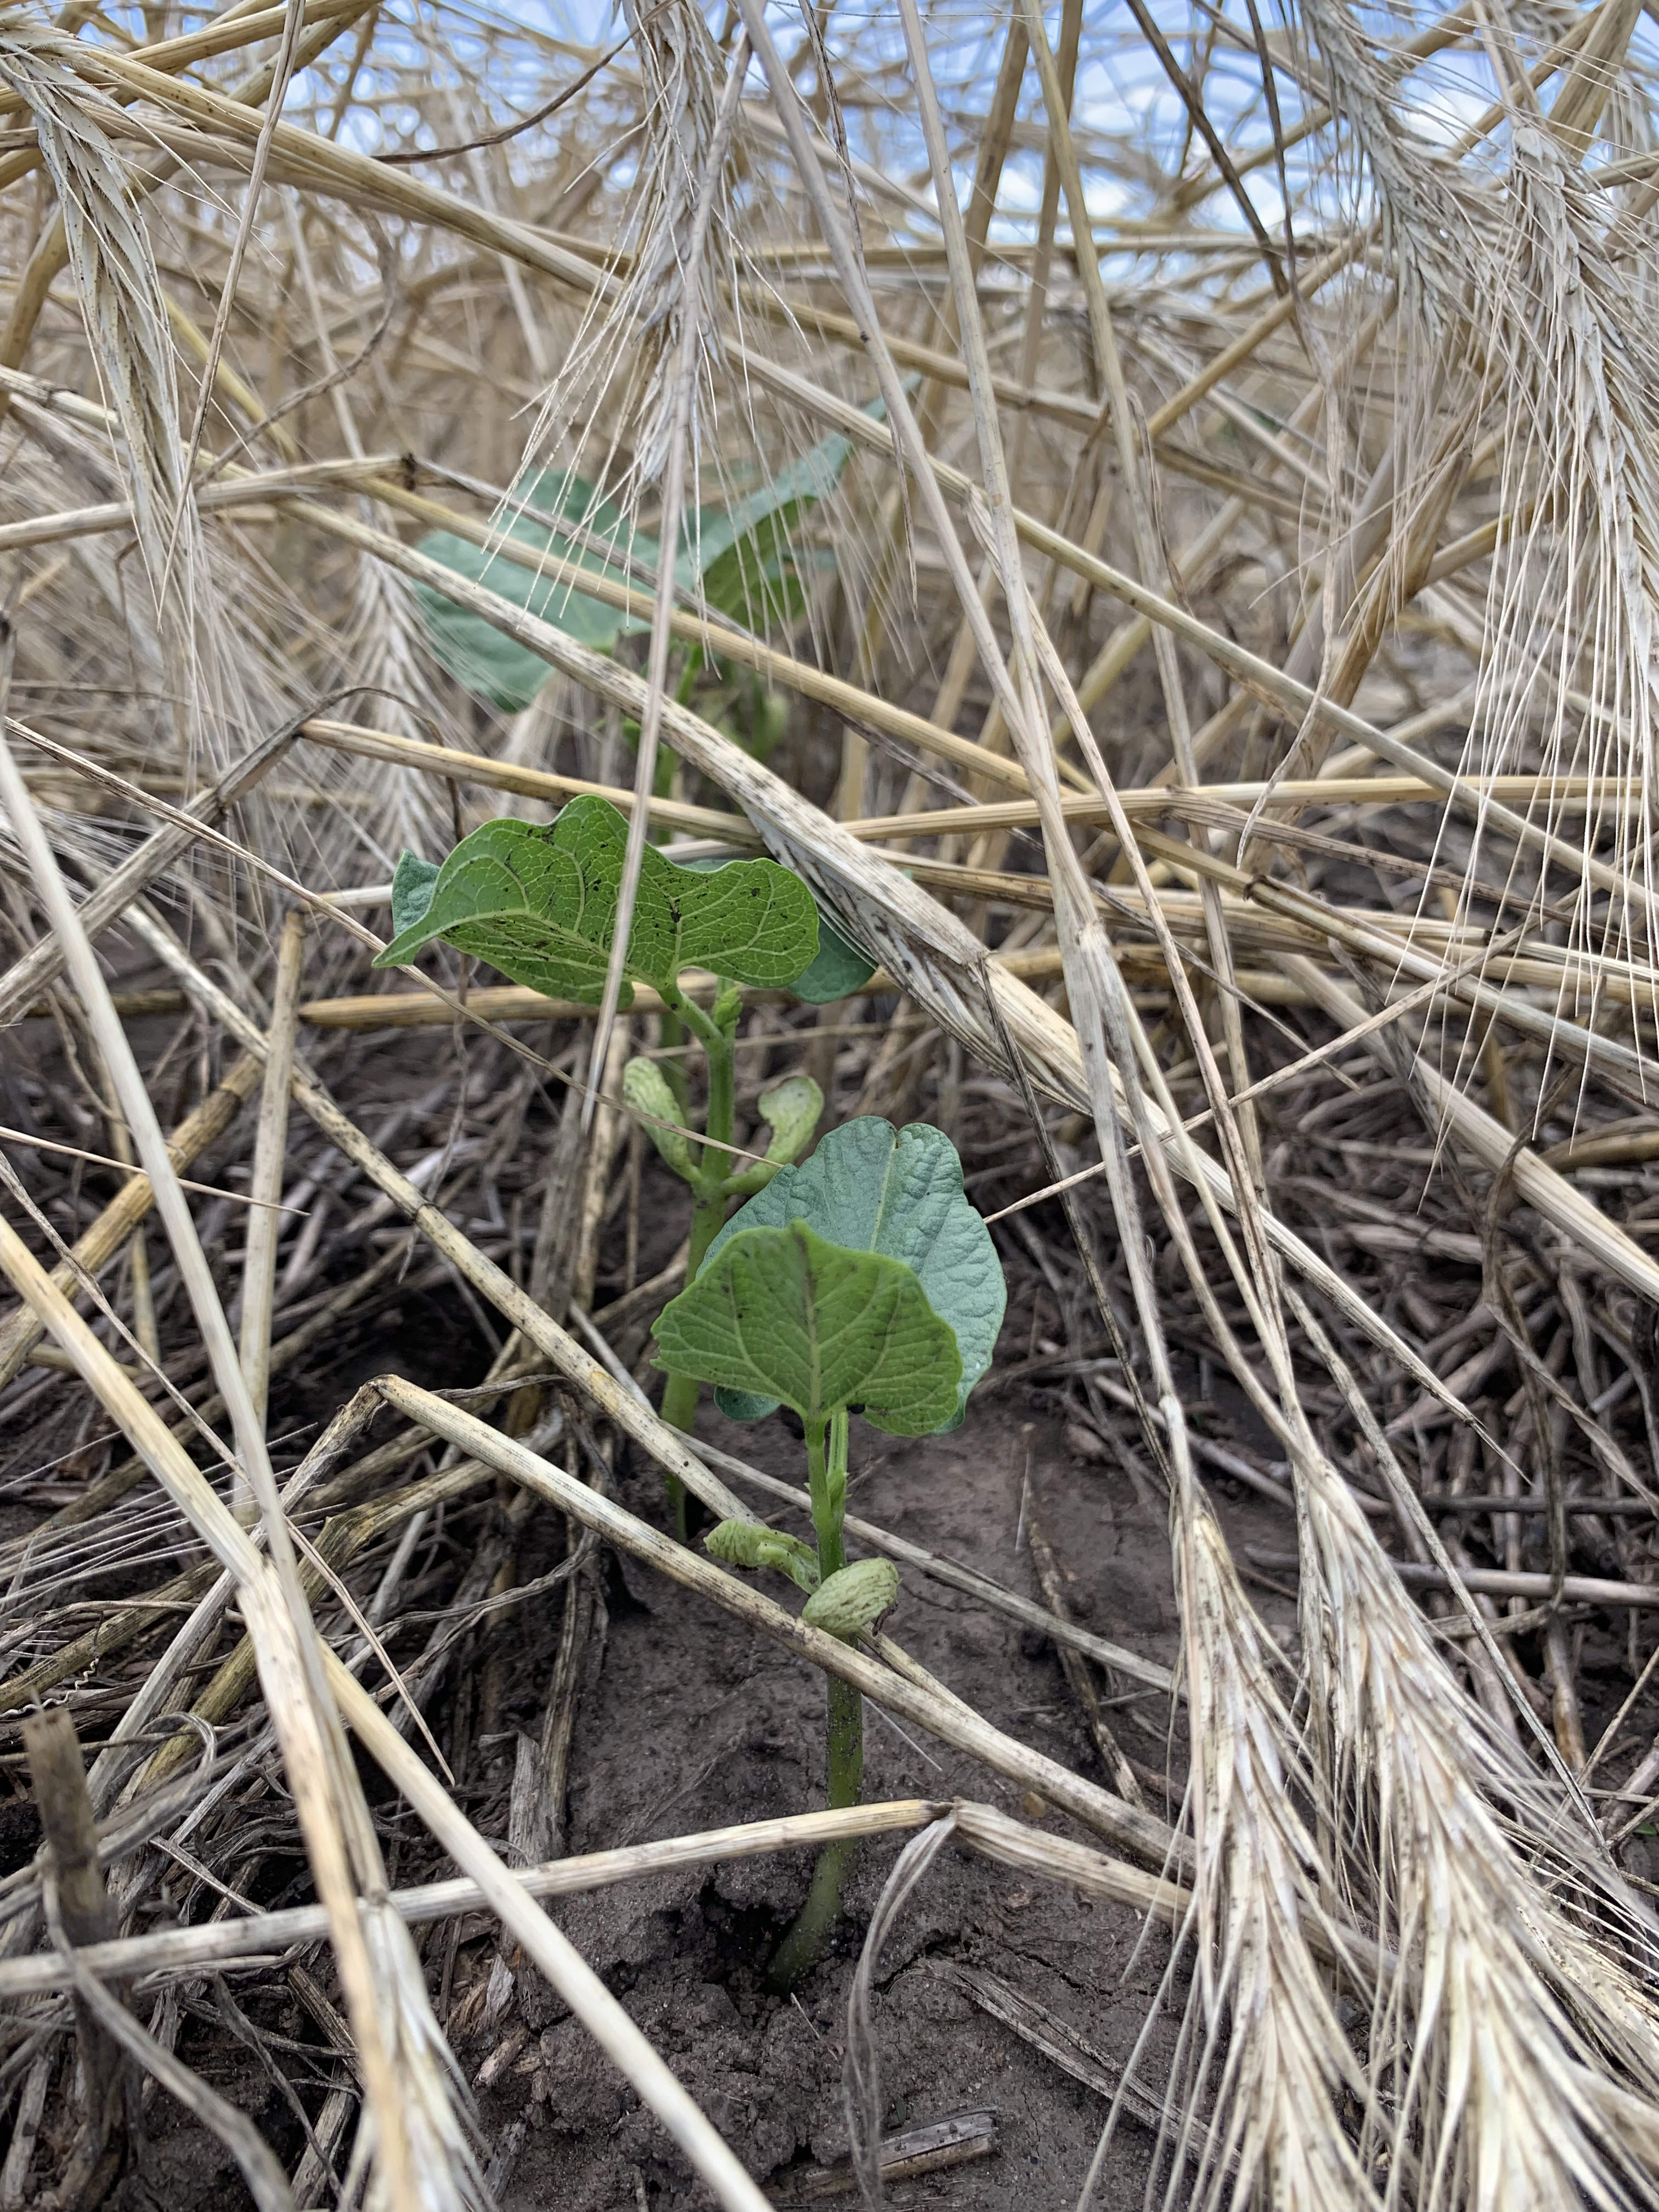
[539, 904]
[862, 1278]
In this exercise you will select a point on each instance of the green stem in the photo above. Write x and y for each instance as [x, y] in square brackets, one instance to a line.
[721, 1056]
[690, 1015]
[679, 1410]
[709, 1201]
[679, 1398]
[680, 1393]
[826, 1478]
[804, 1941]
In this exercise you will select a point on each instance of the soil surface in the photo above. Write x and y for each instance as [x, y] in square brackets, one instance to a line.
[689, 1721]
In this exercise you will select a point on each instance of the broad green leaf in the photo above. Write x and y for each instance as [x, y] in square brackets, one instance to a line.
[744, 559]
[520, 896]
[746, 1544]
[411, 891]
[785, 1315]
[539, 904]
[854, 1598]
[875, 1188]
[839, 970]
[744, 1405]
[475, 652]
[836, 970]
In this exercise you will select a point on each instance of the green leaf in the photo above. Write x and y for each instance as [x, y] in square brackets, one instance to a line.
[854, 1598]
[539, 904]
[476, 654]
[747, 1544]
[785, 1315]
[744, 1405]
[791, 1109]
[412, 891]
[839, 970]
[529, 902]
[836, 970]
[874, 1188]
[744, 559]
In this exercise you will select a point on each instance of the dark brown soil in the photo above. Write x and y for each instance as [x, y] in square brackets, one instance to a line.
[688, 1722]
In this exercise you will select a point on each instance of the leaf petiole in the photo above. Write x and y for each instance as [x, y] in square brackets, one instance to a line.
[690, 1015]
[826, 1476]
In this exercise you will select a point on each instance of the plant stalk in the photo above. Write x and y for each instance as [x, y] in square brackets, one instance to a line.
[808, 1934]
[805, 1942]
[826, 1477]
[679, 1398]
[710, 1198]
[721, 1053]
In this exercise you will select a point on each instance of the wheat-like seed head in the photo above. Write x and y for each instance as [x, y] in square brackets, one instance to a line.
[114, 269]
[1516, 319]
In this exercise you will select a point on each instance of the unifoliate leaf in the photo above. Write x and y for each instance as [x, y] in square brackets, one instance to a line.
[412, 891]
[836, 970]
[791, 1110]
[645, 1092]
[839, 970]
[786, 1316]
[566, 521]
[750, 921]
[539, 904]
[897, 1192]
[854, 1598]
[746, 1544]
